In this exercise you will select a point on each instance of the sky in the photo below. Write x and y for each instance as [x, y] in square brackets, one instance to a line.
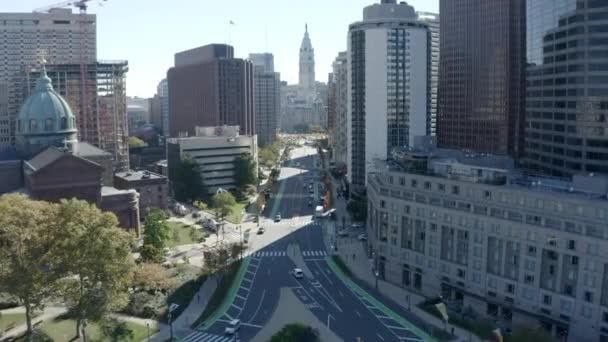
[147, 33]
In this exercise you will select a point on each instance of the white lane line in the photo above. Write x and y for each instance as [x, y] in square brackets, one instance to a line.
[411, 339]
[259, 306]
[229, 317]
[382, 338]
[237, 307]
[397, 328]
[252, 325]
[241, 297]
[215, 338]
[250, 272]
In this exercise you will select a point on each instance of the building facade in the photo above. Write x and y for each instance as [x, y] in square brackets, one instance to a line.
[208, 87]
[387, 85]
[267, 97]
[482, 76]
[163, 93]
[153, 189]
[307, 80]
[216, 150]
[567, 87]
[29, 39]
[508, 248]
[337, 109]
[434, 38]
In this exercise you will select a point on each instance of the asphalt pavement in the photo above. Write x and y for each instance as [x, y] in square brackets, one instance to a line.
[345, 307]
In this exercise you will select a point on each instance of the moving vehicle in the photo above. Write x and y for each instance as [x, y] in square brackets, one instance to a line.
[342, 233]
[233, 326]
[319, 211]
[357, 225]
[277, 218]
[261, 230]
[362, 237]
[297, 273]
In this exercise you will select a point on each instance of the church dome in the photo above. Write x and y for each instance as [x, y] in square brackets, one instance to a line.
[45, 112]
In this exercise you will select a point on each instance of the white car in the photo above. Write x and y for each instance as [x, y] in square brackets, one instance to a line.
[342, 233]
[297, 273]
[233, 326]
[362, 237]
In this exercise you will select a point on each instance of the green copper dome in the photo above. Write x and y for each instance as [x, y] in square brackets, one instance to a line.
[45, 111]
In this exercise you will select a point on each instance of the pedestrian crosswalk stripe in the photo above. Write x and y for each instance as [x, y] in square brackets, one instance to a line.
[201, 336]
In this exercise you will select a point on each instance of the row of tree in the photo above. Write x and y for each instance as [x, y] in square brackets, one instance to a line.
[70, 250]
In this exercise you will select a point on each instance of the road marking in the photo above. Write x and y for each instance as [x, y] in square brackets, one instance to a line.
[259, 305]
[382, 338]
[357, 312]
[241, 297]
[411, 339]
[252, 325]
[237, 307]
[397, 328]
[229, 317]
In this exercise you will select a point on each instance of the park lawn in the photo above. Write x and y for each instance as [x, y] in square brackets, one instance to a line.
[64, 330]
[183, 236]
[8, 319]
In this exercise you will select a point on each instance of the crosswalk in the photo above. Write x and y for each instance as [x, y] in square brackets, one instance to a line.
[314, 253]
[201, 336]
[272, 254]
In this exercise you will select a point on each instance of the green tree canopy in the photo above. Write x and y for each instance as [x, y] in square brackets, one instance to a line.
[135, 142]
[156, 229]
[187, 182]
[246, 171]
[223, 202]
[296, 333]
[26, 242]
[97, 255]
[116, 330]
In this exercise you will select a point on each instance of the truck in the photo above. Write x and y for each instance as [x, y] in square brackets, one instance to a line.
[319, 211]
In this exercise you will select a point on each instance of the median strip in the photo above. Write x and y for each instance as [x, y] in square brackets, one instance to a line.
[354, 287]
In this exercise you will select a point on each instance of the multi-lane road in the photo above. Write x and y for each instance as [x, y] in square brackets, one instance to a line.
[345, 307]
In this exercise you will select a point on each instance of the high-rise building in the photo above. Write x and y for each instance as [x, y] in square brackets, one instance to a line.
[337, 109]
[432, 19]
[209, 87]
[307, 63]
[163, 92]
[156, 112]
[482, 76]
[267, 97]
[388, 64]
[105, 125]
[27, 40]
[567, 87]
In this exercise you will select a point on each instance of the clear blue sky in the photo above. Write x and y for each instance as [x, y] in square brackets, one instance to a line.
[148, 32]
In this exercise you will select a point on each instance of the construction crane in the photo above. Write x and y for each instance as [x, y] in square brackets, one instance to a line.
[85, 107]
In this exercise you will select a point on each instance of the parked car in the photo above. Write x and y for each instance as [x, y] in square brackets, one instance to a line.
[261, 230]
[362, 237]
[277, 218]
[297, 273]
[233, 326]
[357, 225]
[342, 233]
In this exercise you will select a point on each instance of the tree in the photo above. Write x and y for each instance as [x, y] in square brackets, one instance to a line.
[296, 333]
[186, 178]
[246, 171]
[26, 229]
[135, 142]
[152, 278]
[96, 255]
[156, 233]
[530, 334]
[116, 330]
[223, 202]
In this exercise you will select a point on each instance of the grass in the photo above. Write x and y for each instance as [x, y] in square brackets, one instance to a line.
[342, 265]
[237, 213]
[221, 292]
[182, 234]
[65, 329]
[7, 320]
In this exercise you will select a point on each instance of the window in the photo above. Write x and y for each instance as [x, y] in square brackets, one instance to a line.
[588, 297]
[414, 183]
[571, 244]
[64, 123]
[529, 279]
[441, 187]
[455, 190]
[461, 273]
[547, 300]
[48, 125]
[33, 125]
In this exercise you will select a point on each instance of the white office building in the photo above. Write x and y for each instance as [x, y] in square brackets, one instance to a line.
[215, 149]
[163, 93]
[388, 77]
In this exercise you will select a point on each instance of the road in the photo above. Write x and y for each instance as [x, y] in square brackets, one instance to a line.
[344, 307]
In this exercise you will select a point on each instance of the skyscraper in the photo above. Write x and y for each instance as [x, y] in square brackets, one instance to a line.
[337, 109]
[209, 87]
[267, 97]
[27, 40]
[388, 75]
[307, 63]
[567, 87]
[482, 75]
[163, 92]
[432, 19]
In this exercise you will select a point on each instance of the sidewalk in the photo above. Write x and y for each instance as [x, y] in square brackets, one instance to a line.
[181, 326]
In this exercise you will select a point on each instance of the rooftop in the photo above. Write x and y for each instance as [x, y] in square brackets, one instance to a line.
[110, 191]
[138, 175]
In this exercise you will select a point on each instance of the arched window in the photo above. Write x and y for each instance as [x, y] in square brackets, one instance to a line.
[49, 125]
[64, 123]
[33, 125]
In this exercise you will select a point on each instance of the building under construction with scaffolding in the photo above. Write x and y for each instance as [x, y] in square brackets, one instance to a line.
[101, 112]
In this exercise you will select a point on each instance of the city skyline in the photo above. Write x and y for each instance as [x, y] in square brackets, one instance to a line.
[119, 31]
